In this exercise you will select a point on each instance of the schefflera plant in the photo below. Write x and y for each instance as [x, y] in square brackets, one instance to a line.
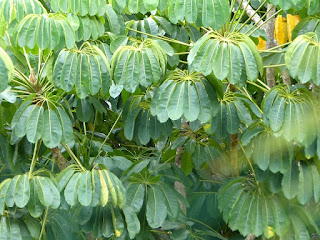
[185, 94]
[232, 56]
[142, 62]
[85, 69]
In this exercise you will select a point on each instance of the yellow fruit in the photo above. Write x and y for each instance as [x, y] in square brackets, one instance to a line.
[292, 22]
[280, 30]
[262, 44]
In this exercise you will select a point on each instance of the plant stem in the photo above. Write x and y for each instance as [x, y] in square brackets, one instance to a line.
[270, 51]
[251, 166]
[258, 86]
[26, 56]
[161, 38]
[249, 96]
[93, 131]
[44, 222]
[241, 2]
[279, 46]
[254, 16]
[107, 137]
[273, 66]
[234, 15]
[262, 83]
[34, 159]
[181, 53]
[73, 156]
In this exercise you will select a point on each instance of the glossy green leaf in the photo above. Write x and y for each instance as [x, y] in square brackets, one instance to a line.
[52, 134]
[85, 189]
[70, 192]
[20, 127]
[34, 124]
[11, 190]
[22, 191]
[276, 114]
[133, 224]
[305, 184]
[6, 69]
[55, 193]
[35, 207]
[44, 191]
[156, 207]
[85, 110]
[66, 125]
[173, 206]
[222, 62]
[290, 181]
[176, 102]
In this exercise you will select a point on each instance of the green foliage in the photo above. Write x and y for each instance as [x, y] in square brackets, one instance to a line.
[142, 63]
[6, 69]
[233, 56]
[156, 119]
[46, 31]
[86, 69]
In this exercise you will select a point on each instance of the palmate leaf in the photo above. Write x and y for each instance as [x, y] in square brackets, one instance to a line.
[45, 31]
[300, 58]
[53, 126]
[233, 109]
[268, 151]
[161, 200]
[91, 188]
[184, 94]
[87, 27]
[18, 9]
[302, 223]
[36, 193]
[234, 57]
[6, 70]
[12, 228]
[248, 210]
[213, 13]
[141, 63]
[301, 182]
[86, 69]
[286, 110]
[80, 7]
[108, 221]
[139, 124]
